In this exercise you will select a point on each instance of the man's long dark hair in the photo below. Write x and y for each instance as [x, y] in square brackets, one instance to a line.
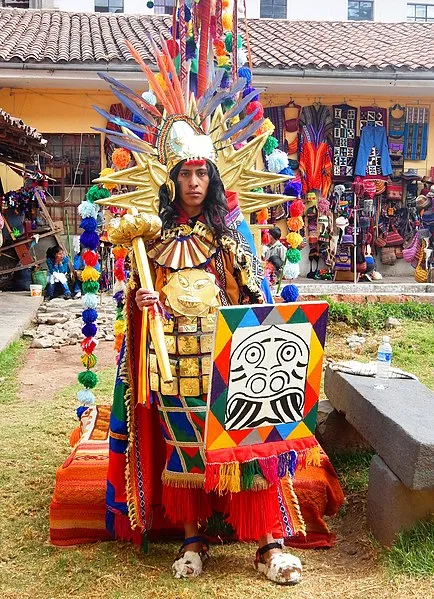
[215, 207]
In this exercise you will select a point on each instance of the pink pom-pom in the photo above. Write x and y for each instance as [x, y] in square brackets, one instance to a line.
[296, 208]
[323, 206]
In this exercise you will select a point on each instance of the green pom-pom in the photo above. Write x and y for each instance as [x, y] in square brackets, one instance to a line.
[293, 255]
[228, 42]
[239, 42]
[270, 145]
[258, 190]
[90, 287]
[88, 379]
[97, 193]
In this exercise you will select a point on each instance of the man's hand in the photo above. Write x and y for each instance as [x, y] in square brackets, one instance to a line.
[145, 298]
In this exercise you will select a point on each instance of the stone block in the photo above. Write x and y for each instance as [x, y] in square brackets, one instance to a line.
[335, 434]
[397, 422]
[393, 507]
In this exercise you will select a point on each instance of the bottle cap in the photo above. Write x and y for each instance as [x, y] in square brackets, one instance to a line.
[386, 339]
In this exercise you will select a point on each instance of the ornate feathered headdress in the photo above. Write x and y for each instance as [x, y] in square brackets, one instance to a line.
[182, 125]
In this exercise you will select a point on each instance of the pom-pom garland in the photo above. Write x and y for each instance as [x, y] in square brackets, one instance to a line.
[248, 90]
[289, 293]
[89, 315]
[149, 96]
[294, 239]
[293, 255]
[88, 345]
[246, 73]
[90, 274]
[119, 253]
[87, 209]
[270, 145]
[90, 239]
[88, 224]
[90, 258]
[277, 161]
[88, 379]
[295, 223]
[291, 271]
[89, 360]
[119, 327]
[87, 399]
[97, 193]
[81, 409]
[121, 158]
[296, 208]
[90, 301]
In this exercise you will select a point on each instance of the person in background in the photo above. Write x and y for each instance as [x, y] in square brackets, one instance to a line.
[273, 270]
[275, 247]
[58, 266]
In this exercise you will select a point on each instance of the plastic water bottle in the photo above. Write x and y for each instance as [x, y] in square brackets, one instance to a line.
[384, 361]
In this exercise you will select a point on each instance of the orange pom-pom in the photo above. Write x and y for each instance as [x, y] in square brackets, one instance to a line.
[262, 216]
[219, 48]
[119, 252]
[295, 223]
[121, 158]
[225, 4]
[118, 342]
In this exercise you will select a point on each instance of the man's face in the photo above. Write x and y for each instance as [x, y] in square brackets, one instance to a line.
[193, 182]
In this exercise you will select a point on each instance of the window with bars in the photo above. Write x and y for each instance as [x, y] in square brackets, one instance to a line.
[76, 162]
[164, 7]
[420, 12]
[109, 5]
[15, 4]
[273, 9]
[360, 10]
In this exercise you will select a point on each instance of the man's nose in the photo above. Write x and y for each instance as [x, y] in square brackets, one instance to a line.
[194, 181]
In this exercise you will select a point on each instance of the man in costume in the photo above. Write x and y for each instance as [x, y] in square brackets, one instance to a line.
[198, 263]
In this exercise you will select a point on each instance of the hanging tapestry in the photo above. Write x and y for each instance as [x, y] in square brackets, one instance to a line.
[375, 117]
[344, 138]
[396, 139]
[316, 142]
[416, 132]
[266, 374]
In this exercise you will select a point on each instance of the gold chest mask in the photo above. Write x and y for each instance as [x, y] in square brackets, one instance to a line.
[191, 292]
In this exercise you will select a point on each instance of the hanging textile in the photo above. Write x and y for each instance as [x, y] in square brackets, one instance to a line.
[416, 132]
[344, 139]
[276, 114]
[316, 140]
[396, 139]
[375, 117]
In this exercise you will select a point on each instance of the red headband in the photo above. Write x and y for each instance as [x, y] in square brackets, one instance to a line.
[195, 162]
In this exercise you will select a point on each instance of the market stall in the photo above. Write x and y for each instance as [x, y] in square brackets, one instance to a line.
[27, 228]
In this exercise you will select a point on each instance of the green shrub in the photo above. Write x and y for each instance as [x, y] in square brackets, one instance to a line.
[375, 315]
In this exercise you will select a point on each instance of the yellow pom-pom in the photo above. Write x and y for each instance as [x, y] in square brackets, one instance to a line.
[227, 21]
[266, 127]
[105, 173]
[90, 274]
[294, 240]
[235, 120]
[119, 327]
[223, 60]
[89, 361]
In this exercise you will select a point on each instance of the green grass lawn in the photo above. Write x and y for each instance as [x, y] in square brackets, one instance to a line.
[33, 443]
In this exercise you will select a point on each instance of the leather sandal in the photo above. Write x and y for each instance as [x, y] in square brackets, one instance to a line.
[281, 568]
[189, 564]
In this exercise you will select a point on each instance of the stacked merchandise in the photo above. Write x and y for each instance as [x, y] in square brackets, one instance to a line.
[360, 205]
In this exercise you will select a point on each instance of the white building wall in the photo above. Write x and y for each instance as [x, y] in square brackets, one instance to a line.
[137, 7]
[337, 10]
[75, 6]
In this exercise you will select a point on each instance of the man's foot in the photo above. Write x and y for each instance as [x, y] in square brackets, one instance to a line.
[281, 568]
[77, 295]
[67, 296]
[191, 557]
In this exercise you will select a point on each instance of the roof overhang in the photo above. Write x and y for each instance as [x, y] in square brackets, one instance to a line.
[308, 81]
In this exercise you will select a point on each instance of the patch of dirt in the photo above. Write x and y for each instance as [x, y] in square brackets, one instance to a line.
[46, 371]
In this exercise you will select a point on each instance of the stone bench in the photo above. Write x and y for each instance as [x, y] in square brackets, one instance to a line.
[398, 423]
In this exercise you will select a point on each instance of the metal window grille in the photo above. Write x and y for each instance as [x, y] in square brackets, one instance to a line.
[360, 10]
[273, 9]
